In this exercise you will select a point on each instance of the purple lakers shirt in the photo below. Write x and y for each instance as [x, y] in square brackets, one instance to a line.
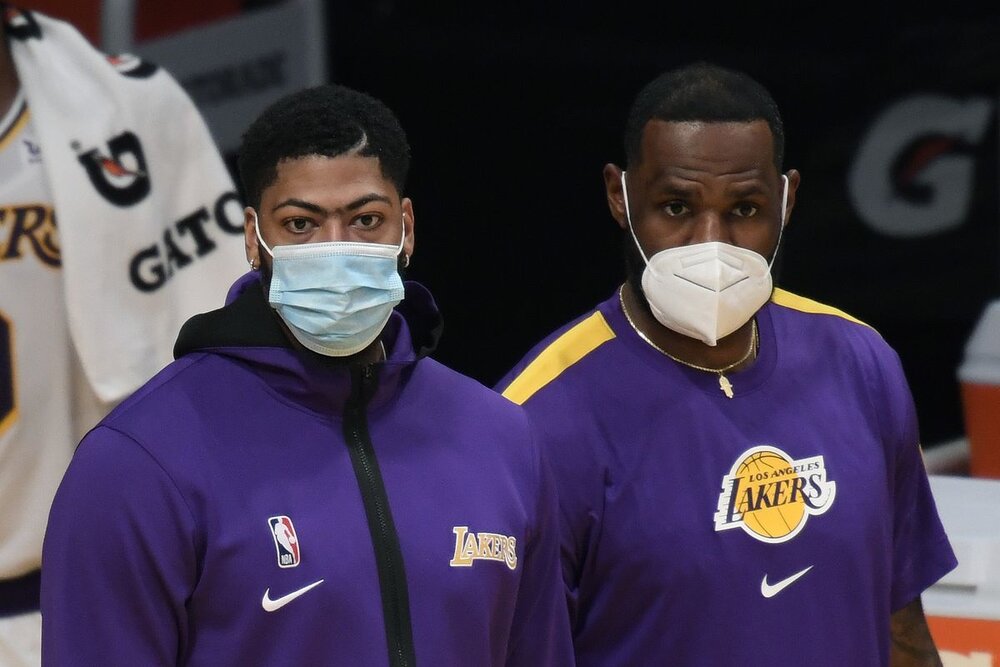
[245, 507]
[782, 526]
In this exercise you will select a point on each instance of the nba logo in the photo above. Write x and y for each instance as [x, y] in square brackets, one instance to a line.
[286, 542]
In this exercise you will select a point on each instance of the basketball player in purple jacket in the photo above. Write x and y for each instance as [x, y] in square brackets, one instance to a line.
[738, 467]
[303, 485]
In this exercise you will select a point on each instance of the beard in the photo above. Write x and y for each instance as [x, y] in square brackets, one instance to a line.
[634, 266]
[265, 277]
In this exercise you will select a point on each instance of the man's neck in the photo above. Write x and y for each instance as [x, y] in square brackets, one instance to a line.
[8, 76]
[730, 349]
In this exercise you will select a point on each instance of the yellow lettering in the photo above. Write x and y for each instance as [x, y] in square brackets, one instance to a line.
[31, 228]
[470, 547]
[510, 557]
[460, 559]
[485, 545]
[471, 550]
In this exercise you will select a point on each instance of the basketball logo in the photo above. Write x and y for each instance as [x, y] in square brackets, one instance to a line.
[770, 495]
[286, 542]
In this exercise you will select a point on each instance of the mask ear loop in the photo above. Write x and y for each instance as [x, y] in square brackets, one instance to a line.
[402, 239]
[781, 229]
[628, 219]
[256, 229]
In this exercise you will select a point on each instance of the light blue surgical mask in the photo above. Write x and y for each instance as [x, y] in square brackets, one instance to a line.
[335, 297]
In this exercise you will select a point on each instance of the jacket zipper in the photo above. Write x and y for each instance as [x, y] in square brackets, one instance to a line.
[385, 539]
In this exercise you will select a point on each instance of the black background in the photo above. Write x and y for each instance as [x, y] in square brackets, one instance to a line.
[512, 111]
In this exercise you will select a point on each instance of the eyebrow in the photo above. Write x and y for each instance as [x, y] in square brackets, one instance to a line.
[367, 199]
[673, 188]
[309, 206]
[747, 191]
[316, 208]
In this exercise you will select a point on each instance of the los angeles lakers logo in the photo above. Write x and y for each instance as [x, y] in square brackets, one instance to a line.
[470, 547]
[770, 495]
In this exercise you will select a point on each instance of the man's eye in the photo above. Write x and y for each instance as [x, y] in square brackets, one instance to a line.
[675, 208]
[298, 225]
[745, 210]
[368, 220]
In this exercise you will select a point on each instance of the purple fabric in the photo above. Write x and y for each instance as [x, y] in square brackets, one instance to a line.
[660, 568]
[159, 547]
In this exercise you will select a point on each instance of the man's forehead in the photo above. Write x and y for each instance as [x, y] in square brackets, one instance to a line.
[708, 138]
[346, 172]
[351, 162]
[724, 147]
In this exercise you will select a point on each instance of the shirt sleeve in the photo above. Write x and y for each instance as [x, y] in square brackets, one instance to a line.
[119, 559]
[573, 448]
[921, 551]
[540, 632]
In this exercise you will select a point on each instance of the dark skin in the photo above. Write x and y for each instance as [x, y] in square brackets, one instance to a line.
[701, 182]
[320, 199]
[696, 183]
[8, 76]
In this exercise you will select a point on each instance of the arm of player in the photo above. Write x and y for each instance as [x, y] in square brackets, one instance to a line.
[921, 552]
[119, 559]
[540, 633]
[912, 644]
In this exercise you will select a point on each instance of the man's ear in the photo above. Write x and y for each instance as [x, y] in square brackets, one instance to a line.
[250, 237]
[794, 178]
[615, 194]
[409, 222]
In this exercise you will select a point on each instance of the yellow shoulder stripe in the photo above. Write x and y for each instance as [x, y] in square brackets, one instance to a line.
[562, 353]
[17, 124]
[796, 302]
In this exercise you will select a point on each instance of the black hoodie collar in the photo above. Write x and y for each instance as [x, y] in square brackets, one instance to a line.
[249, 321]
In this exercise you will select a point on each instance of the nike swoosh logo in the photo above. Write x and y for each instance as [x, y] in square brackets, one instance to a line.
[273, 605]
[770, 590]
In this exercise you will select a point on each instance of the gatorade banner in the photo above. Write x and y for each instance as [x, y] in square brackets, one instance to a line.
[898, 218]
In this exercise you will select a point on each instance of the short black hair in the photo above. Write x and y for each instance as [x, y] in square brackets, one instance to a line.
[327, 121]
[702, 92]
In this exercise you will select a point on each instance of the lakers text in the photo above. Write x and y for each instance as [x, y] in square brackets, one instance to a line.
[470, 547]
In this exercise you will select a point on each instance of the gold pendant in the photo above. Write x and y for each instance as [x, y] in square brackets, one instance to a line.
[725, 385]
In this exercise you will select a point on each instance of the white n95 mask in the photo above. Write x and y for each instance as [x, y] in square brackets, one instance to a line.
[706, 290]
[335, 297]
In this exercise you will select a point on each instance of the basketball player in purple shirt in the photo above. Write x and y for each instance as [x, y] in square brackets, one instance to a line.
[738, 467]
[304, 485]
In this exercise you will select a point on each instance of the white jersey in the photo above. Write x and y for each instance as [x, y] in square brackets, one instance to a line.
[45, 405]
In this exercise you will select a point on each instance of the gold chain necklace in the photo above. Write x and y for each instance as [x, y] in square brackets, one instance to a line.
[724, 384]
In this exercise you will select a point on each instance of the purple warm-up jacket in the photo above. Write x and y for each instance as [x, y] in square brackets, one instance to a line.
[256, 504]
